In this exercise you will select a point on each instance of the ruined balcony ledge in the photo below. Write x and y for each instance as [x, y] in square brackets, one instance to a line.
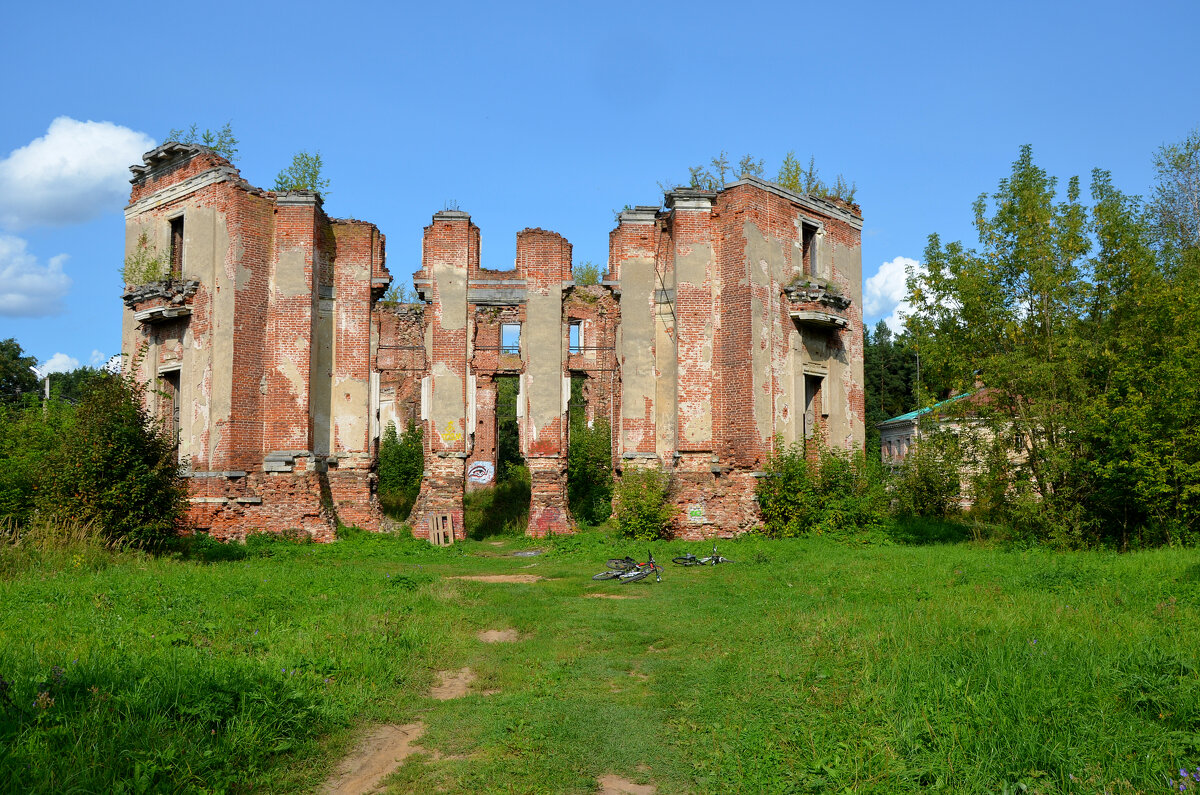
[162, 300]
[819, 290]
[229, 473]
[811, 317]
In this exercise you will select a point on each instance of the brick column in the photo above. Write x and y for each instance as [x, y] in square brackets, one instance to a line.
[451, 243]
[544, 260]
[631, 264]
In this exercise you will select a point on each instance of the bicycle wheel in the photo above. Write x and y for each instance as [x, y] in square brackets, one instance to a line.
[606, 575]
[634, 576]
[687, 560]
[623, 564]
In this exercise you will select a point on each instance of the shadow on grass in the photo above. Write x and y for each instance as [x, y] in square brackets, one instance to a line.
[919, 531]
[502, 510]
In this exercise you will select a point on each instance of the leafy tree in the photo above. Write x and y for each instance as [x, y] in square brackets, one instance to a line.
[1175, 207]
[303, 174]
[1010, 310]
[72, 386]
[221, 141]
[16, 370]
[29, 434]
[1091, 361]
[889, 376]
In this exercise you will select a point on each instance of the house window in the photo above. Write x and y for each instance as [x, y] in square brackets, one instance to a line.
[176, 247]
[575, 336]
[510, 338]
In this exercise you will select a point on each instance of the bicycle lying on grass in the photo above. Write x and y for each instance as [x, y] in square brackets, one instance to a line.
[628, 570]
[691, 560]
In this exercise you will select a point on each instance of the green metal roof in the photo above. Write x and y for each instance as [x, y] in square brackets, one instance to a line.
[912, 415]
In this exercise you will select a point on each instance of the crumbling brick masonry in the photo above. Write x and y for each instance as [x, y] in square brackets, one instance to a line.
[725, 321]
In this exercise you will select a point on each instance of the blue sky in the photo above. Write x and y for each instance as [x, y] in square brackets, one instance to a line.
[556, 114]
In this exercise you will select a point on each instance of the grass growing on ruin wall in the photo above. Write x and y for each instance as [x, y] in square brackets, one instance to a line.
[805, 666]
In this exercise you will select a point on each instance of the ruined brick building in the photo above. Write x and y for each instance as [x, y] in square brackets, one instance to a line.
[723, 322]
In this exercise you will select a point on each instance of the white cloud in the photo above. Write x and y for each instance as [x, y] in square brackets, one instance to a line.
[58, 363]
[885, 292]
[97, 358]
[75, 172]
[28, 289]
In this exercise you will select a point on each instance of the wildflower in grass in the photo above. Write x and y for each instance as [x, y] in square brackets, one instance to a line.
[57, 674]
[44, 701]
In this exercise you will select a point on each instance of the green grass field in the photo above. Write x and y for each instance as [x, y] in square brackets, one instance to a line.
[806, 666]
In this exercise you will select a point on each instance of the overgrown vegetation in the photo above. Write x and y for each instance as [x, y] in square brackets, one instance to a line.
[221, 141]
[1085, 324]
[305, 173]
[928, 483]
[589, 462]
[792, 175]
[586, 274]
[106, 463]
[401, 467]
[643, 509]
[832, 494]
[144, 264]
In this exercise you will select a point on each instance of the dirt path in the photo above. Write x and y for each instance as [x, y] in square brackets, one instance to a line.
[453, 684]
[499, 636]
[499, 578]
[616, 785]
[377, 755]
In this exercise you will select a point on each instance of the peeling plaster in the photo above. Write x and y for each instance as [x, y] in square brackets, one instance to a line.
[637, 321]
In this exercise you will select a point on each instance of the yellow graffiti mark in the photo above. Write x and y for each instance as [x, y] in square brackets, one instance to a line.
[451, 433]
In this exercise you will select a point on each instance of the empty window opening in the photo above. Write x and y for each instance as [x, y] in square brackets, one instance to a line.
[808, 243]
[510, 338]
[589, 458]
[508, 432]
[575, 336]
[169, 403]
[176, 247]
[812, 403]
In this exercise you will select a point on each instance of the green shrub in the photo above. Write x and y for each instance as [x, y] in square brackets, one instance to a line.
[117, 466]
[787, 496]
[839, 494]
[928, 482]
[589, 472]
[643, 510]
[401, 467]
